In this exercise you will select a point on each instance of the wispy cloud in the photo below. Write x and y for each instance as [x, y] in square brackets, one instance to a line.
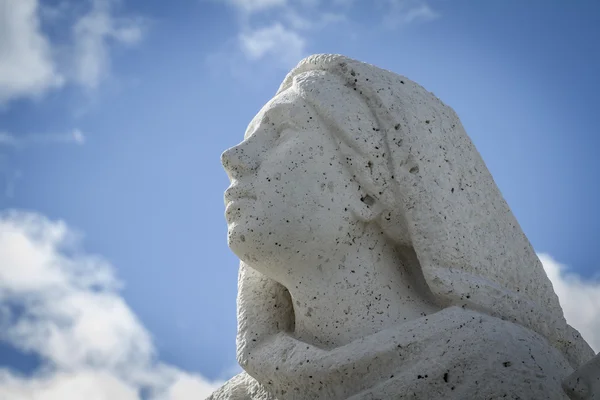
[251, 6]
[281, 31]
[579, 298]
[404, 12]
[275, 40]
[29, 65]
[26, 64]
[76, 136]
[64, 305]
[92, 34]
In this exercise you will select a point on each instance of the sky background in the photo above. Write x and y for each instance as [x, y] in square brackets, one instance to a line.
[115, 276]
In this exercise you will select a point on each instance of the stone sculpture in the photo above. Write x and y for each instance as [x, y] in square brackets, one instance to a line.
[379, 259]
[584, 384]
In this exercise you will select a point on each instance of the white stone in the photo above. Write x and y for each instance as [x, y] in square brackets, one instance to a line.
[378, 257]
[584, 384]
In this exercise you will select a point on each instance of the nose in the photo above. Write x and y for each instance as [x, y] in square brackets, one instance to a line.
[239, 160]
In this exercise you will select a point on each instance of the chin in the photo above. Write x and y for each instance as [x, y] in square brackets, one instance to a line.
[243, 243]
[252, 250]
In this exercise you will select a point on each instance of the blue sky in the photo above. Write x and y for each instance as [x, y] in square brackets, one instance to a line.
[113, 115]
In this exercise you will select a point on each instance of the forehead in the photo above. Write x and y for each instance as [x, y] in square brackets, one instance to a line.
[282, 108]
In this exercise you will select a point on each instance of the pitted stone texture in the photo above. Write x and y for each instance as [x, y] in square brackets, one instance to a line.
[365, 219]
[584, 384]
[452, 354]
[241, 387]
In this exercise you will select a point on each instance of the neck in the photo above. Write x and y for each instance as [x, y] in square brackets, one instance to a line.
[363, 286]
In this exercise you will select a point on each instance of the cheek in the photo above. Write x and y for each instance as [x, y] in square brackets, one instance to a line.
[304, 180]
[299, 186]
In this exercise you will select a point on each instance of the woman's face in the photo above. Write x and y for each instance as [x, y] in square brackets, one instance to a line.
[291, 195]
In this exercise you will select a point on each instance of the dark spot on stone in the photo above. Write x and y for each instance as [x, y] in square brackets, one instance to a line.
[507, 364]
[427, 121]
[397, 126]
[446, 377]
[368, 200]
[414, 169]
[452, 191]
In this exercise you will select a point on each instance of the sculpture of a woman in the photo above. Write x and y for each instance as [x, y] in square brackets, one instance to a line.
[378, 257]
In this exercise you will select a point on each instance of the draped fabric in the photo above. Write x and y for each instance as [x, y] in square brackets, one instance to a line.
[471, 250]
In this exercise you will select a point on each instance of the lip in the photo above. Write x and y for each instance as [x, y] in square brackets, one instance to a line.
[234, 208]
[236, 193]
[235, 196]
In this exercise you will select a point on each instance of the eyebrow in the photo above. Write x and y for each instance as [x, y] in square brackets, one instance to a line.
[287, 121]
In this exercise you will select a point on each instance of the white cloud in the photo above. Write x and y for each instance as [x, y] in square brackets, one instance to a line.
[78, 137]
[29, 58]
[286, 27]
[188, 387]
[75, 136]
[92, 33]
[89, 385]
[580, 299]
[251, 6]
[284, 45]
[421, 12]
[403, 12]
[63, 304]
[26, 65]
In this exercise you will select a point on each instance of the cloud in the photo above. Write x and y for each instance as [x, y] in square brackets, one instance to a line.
[251, 6]
[29, 58]
[26, 65]
[276, 31]
[579, 299]
[280, 31]
[404, 12]
[92, 33]
[75, 136]
[64, 305]
[285, 45]
[422, 12]
[189, 387]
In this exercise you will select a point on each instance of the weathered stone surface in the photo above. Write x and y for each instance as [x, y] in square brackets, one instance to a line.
[584, 384]
[378, 257]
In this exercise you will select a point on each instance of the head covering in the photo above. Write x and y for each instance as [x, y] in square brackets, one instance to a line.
[471, 250]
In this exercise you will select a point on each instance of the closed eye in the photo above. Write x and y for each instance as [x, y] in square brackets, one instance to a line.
[284, 129]
[287, 125]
